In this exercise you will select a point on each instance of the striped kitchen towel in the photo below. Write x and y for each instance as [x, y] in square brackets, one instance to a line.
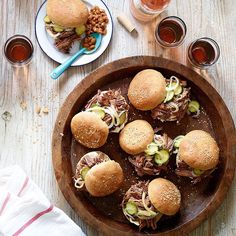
[25, 211]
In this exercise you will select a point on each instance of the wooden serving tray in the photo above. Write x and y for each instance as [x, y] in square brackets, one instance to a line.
[198, 201]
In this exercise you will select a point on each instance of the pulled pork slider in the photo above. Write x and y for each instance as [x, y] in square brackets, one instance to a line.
[89, 130]
[65, 22]
[135, 136]
[175, 104]
[112, 108]
[197, 155]
[145, 203]
[100, 175]
[155, 158]
[147, 90]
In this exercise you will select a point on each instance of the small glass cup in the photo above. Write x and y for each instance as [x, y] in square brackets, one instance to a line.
[170, 32]
[147, 10]
[18, 50]
[203, 52]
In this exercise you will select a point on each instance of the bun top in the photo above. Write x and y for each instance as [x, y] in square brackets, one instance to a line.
[164, 196]
[147, 90]
[104, 178]
[135, 136]
[199, 150]
[67, 13]
[89, 130]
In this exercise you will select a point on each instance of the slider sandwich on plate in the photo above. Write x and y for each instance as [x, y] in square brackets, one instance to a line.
[145, 203]
[197, 155]
[167, 99]
[65, 22]
[100, 175]
[106, 112]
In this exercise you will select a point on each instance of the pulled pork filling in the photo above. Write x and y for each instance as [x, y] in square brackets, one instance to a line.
[145, 164]
[138, 208]
[112, 108]
[185, 170]
[175, 108]
[85, 164]
[63, 40]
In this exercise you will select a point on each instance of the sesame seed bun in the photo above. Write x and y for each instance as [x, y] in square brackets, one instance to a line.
[104, 178]
[135, 136]
[147, 90]
[164, 196]
[89, 129]
[67, 13]
[199, 150]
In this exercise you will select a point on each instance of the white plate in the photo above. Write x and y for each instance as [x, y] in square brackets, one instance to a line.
[46, 42]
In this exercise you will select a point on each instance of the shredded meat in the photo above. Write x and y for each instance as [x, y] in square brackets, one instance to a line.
[134, 194]
[90, 161]
[65, 40]
[185, 170]
[145, 165]
[107, 98]
[175, 109]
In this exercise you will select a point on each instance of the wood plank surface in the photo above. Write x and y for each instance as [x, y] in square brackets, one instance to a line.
[25, 139]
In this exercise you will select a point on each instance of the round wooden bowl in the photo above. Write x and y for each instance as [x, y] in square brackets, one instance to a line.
[198, 201]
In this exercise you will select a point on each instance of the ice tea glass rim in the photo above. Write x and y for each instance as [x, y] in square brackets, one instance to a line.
[171, 45]
[25, 62]
[217, 47]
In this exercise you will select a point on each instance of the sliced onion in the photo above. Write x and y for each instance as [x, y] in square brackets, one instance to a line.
[108, 111]
[79, 183]
[145, 206]
[158, 139]
[174, 105]
[197, 114]
[170, 87]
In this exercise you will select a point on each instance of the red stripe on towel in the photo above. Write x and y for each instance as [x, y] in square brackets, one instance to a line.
[24, 185]
[28, 223]
[5, 203]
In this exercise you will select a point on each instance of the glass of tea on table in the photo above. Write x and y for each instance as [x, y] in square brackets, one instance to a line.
[170, 32]
[147, 10]
[203, 52]
[18, 50]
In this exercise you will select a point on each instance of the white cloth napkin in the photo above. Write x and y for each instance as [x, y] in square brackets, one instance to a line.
[25, 211]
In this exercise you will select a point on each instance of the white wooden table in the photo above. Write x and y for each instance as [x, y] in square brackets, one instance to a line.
[26, 139]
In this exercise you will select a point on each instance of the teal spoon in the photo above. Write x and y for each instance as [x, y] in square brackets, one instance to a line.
[60, 69]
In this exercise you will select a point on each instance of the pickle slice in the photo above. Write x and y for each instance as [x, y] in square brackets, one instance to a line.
[169, 96]
[84, 172]
[161, 157]
[80, 29]
[47, 20]
[99, 111]
[177, 141]
[123, 118]
[152, 148]
[58, 28]
[131, 208]
[198, 172]
[178, 90]
[193, 106]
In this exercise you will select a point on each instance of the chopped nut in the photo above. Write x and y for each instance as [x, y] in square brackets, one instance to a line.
[62, 135]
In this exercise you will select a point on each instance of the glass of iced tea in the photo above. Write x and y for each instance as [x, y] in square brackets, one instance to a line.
[170, 32]
[147, 10]
[203, 52]
[18, 50]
